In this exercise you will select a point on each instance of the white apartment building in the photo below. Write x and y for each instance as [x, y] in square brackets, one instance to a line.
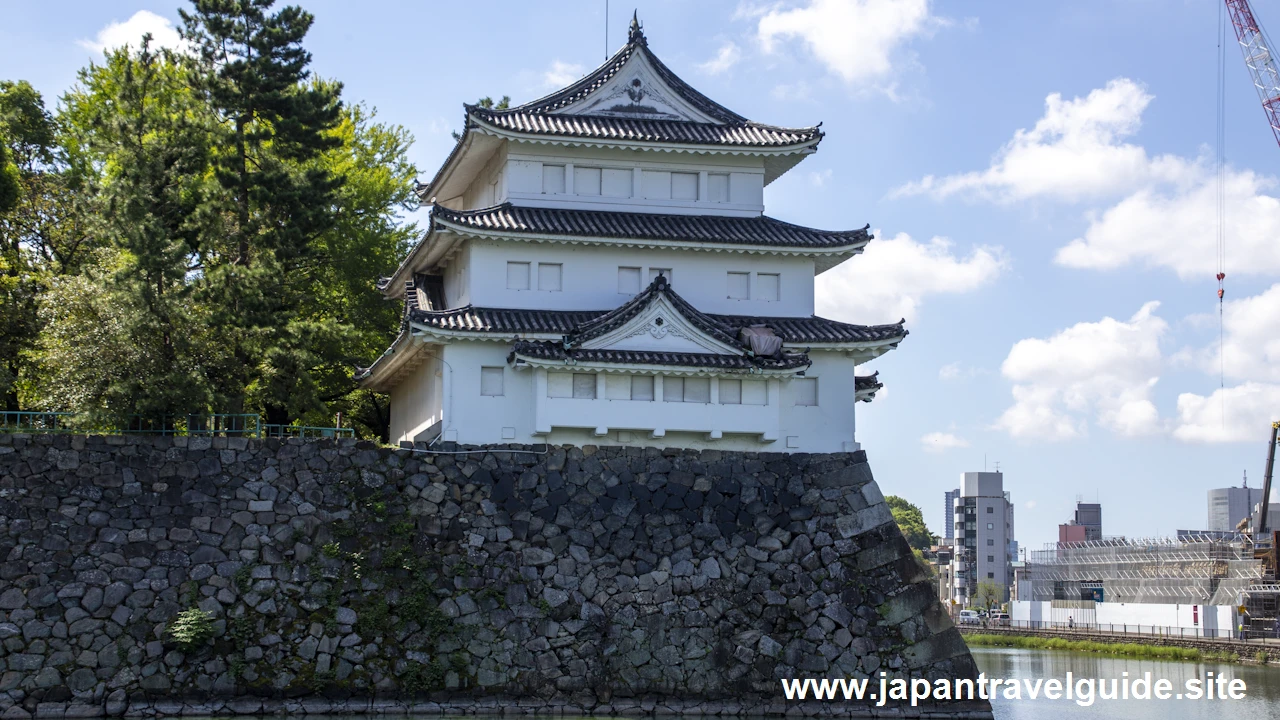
[984, 545]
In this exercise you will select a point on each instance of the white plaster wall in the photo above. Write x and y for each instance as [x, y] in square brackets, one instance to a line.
[524, 186]
[489, 187]
[457, 278]
[473, 419]
[416, 403]
[590, 277]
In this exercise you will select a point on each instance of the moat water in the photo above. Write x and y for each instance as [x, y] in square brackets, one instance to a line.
[1261, 694]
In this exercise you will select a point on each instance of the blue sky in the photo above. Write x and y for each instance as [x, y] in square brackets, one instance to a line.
[1039, 177]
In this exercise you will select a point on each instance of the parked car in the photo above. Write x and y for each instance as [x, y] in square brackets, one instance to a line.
[999, 619]
[970, 617]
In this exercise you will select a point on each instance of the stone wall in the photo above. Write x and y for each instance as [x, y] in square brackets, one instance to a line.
[341, 576]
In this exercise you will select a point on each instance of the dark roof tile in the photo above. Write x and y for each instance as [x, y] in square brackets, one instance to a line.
[555, 351]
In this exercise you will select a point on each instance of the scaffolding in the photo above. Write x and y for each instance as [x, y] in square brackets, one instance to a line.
[1191, 569]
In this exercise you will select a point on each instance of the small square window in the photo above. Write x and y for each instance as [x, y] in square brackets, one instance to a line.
[718, 187]
[990, 542]
[767, 287]
[672, 389]
[990, 510]
[739, 285]
[991, 526]
[684, 186]
[586, 181]
[628, 280]
[991, 575]
[642, 387]
[697, 390]
[553, 179]
[584, 386]
[991, 558]
[491, 381]
[517, 276]
[616, 182]
[655, 272]
[730, 392]
[806, 391]
[549, 275]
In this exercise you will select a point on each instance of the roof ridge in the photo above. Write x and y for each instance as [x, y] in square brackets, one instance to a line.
[624, 313]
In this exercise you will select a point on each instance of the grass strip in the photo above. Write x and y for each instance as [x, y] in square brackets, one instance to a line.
[1136, 650]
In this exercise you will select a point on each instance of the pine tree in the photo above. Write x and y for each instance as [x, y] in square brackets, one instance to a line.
[275, 202]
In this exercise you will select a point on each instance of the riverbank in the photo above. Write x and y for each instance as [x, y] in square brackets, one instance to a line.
[1125, 649]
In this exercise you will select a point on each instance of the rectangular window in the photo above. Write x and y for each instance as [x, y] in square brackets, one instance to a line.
[586, 181]
[549, 275]
[655, 272]
[990, 542]
[991, 526]
[739, 285]
[559, 385]
[991, 575]
[754, 392]
[642, 387]
[617, 387]
[718, 187]
[517, 276]
[767, 287]
[673, 389]
[584, 386]
[552, 179]
[615, 183]
[491, 381]
[628, 280]
[697, 390]
[991, 558]
[684, 186]
[990, 510]
[806, 391]
[657, 184]
[730, 392]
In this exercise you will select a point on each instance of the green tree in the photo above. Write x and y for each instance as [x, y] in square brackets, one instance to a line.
[9, 182]
[135, 118]
[911, 521]
[260, 251]
[987, 595]
[41, 235]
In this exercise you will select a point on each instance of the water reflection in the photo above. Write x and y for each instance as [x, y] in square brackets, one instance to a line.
[1262, 696]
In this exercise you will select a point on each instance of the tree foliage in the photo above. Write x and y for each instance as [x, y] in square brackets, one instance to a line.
[200, 233]
[987, 595]
[911, 521]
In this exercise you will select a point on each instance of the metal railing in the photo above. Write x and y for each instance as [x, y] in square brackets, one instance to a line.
[196, 424]
[1137, 631]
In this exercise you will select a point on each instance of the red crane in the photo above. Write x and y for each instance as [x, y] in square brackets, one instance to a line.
[1256, 47]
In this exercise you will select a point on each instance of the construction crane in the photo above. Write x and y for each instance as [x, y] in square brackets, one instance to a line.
[1256, 47]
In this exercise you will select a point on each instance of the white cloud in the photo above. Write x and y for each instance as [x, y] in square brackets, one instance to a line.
[726, 58]
[1250, 410]
[1102, 369]
[891, 279]
[1073, 152]
[130, 32]
[562, 74]
[1162, 210]
[950, 371]
[858, 40]
[936, 442]
[1030, 504]
[1250, 347]
[1174, 227]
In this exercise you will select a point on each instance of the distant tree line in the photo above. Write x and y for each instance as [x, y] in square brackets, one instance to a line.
[200, 231]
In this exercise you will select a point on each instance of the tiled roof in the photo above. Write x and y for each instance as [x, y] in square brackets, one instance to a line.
[541, 117]
[622, 314]
[555, 351]
[755, 231]
[505, 321]
[599, 127]
[865, 386]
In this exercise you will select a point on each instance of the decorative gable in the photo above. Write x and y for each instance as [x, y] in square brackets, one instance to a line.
[660, 327]
[637, 91]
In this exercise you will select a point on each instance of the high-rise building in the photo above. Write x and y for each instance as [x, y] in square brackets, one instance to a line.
[949, 515]
[1089, 516]
[1228, 506]
[983, 536]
